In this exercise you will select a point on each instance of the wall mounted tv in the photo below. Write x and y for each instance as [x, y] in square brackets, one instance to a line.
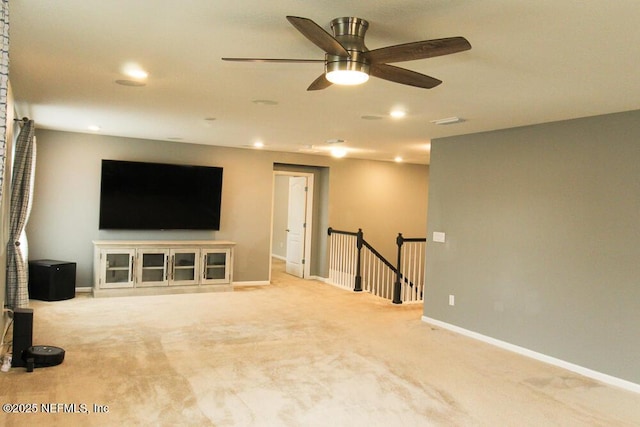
[158, 196]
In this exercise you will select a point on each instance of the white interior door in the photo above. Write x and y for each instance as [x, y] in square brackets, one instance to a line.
[296, 225]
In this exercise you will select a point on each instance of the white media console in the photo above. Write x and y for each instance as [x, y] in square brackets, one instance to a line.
[150, 267]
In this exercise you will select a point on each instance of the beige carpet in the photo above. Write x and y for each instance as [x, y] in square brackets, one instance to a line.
[296, 353]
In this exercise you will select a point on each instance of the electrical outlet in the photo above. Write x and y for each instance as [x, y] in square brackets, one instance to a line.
[452, 300]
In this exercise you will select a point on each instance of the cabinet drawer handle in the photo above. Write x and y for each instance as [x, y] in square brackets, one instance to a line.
[204, 266]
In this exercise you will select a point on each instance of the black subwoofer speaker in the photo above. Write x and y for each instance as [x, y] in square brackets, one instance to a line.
[22, 334]
[51, 280]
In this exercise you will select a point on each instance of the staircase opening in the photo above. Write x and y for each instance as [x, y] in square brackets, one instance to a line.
[356, 265]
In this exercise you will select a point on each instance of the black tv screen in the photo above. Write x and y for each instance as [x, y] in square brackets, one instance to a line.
[158, 196]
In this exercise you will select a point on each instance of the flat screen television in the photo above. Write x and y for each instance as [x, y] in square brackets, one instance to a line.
[158, 196]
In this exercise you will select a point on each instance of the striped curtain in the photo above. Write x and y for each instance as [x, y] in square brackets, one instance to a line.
[21, 192]
[4, 86]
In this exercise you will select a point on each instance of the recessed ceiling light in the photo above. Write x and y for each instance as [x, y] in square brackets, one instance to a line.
[138, 74]
[258, 144]
[398, 159]
[94, 128]
[397, 114]
[338, 152]
[134, 71]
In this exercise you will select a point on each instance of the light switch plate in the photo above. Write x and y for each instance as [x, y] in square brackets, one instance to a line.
[438, 236]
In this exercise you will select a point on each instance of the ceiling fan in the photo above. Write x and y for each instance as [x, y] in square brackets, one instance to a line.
[348, 61]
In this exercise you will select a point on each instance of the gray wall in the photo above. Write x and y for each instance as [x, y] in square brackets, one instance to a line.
[542, 239]
[64, 219]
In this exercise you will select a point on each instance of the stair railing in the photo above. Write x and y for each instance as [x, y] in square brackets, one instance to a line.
[356, 265]
[344, 259]
[409, 286]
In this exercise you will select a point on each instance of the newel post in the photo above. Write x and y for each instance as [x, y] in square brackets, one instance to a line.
[397, 286]
[358, 282]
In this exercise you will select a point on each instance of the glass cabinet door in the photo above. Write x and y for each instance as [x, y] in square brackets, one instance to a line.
[216, 266]
[116, 268]
[152, 267]
[184, 266]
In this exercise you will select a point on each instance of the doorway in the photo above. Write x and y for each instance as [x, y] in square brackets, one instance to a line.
[292, 221]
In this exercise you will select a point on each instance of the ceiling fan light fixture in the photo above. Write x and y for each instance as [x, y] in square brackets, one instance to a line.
[347, 77]
[347, 72]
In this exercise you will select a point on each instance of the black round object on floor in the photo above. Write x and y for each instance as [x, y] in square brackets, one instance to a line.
[43, 355]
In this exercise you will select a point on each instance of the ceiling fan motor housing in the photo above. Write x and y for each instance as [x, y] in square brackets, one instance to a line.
[349, 31]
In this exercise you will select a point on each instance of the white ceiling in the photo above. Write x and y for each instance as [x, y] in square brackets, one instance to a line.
[531, 62]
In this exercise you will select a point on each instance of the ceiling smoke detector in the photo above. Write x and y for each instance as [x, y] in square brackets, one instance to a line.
[447, 121]
[265, 102]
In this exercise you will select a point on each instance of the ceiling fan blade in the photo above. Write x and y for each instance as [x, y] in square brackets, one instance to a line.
[320, 83]
[318, 36]
[418, 50]
[272, 60]
[403, 76]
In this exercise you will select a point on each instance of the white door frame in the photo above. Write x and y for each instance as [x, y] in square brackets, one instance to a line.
[296, 226]
[308, 219]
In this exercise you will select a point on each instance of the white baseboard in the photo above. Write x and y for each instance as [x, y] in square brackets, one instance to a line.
[251, 283]
[281, 258]
[599, 376]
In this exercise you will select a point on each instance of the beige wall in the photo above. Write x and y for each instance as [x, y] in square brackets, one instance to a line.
[356, 193]
[388, 191]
